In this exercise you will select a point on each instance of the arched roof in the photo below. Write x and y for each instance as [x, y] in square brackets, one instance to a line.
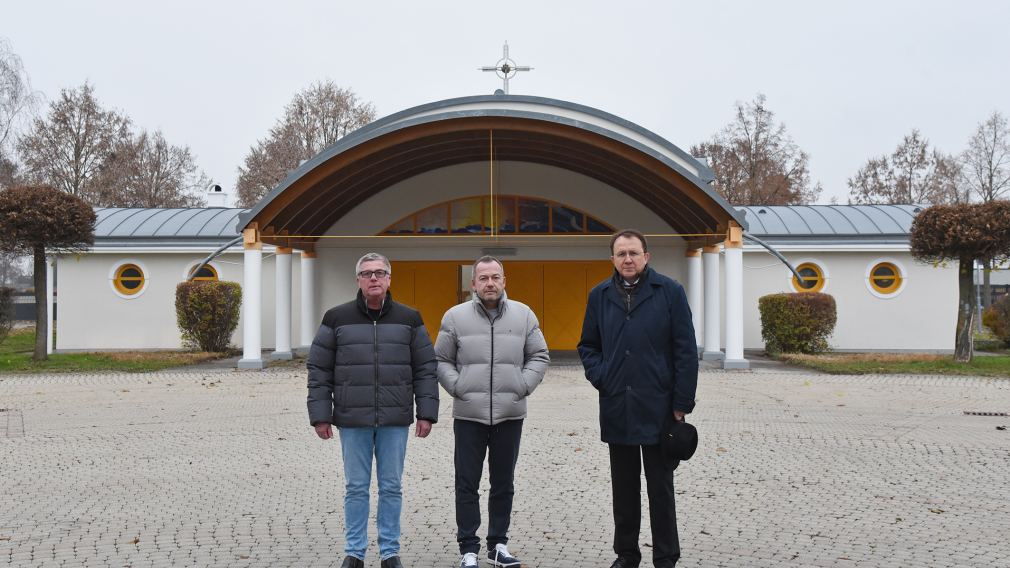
[619, 153]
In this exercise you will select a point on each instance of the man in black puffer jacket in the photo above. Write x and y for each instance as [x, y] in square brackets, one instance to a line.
[370, 362]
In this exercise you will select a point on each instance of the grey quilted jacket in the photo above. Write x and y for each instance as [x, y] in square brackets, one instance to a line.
[371, 372]
[490, 367]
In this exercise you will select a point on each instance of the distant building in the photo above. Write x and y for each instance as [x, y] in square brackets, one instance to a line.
[538, 182]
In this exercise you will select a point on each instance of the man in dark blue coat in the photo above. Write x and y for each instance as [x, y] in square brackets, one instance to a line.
[639, 351]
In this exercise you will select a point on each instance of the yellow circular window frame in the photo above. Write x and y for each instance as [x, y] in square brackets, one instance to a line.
[213, 274]
[121, 280]
[895, 278]
[817, 278]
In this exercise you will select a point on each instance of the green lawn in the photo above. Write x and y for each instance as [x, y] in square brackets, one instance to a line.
[16, 357]
[890, 363]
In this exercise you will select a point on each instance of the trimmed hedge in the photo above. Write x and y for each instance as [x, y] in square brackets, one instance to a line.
[6, 312]
[797, 323]
[997, 318]
[207, 313]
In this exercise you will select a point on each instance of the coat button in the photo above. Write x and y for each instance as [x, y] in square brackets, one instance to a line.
[627, 351]
[627, 317]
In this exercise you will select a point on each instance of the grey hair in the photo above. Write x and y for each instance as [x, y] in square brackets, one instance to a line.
[370, 257]
[488, 258]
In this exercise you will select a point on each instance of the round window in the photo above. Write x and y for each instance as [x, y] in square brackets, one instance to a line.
[885, 278]
[813, 278]
[207, 273]
[129, 279]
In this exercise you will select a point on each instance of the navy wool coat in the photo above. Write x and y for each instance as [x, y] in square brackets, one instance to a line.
[643, 361]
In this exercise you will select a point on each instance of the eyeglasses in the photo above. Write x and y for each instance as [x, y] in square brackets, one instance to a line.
[634, 254]
[367, 274]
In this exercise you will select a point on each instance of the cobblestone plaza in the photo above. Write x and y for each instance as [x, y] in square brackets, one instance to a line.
[220, 468]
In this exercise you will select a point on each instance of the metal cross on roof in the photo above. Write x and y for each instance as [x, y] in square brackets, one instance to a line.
[506, 68]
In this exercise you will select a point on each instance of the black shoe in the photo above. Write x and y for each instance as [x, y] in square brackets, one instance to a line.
[623, 562]
[499, 556]
[352, 562]
[392, 562]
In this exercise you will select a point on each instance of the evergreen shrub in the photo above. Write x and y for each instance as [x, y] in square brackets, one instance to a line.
[207, 313]
[798, 322]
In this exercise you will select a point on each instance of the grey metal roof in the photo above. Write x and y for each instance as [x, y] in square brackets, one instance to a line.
[833, 222]
[136, 226]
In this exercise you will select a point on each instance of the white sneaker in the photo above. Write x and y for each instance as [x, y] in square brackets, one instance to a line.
[469, 560]
[500, 557]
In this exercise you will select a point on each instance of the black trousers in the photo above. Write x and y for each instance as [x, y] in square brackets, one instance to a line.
[625, 476]
[501, 445]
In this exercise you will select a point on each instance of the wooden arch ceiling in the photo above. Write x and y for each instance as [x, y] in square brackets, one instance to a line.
[319, 198]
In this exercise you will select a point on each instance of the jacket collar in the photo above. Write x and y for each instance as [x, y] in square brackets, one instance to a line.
[387, 304]
[479, 306]
[643, 289]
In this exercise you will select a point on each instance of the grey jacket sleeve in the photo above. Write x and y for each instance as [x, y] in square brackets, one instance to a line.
[422, 361]
[322, 357]
[445, 353]
[536, 357]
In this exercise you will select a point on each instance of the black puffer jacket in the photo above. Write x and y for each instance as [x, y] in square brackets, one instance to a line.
[370, 372]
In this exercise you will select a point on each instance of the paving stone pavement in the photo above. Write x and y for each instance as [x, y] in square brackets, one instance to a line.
[220, 468]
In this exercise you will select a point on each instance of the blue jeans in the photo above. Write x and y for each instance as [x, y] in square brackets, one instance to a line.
[389, 446]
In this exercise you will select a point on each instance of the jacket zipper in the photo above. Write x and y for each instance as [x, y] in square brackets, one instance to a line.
[491, 397]
[375, 351]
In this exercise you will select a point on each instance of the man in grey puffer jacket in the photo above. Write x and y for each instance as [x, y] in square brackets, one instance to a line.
[491, 356]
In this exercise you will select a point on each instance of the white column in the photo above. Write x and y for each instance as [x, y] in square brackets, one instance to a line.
[734, 307]
[710, 259]
[694, 293]
[309, 319]
[49, 304]
[252, 305]
[282, 315]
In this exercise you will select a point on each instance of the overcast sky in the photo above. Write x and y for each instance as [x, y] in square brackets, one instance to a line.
[848, 79]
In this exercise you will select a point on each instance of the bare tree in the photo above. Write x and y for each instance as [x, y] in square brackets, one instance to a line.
[987, 159]
[17, 104]
[150, 172]
[74, 143]
[987, 175]
[314, 119]
[913, 173]
[755, 160]
[12, 270]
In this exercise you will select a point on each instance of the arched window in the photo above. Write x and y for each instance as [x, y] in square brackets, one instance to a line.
[507, 214]
[129, 279]
[813, 278]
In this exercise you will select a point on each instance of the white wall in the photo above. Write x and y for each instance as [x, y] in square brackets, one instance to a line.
[920, 317]
[92, 316]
